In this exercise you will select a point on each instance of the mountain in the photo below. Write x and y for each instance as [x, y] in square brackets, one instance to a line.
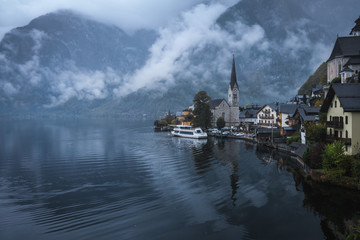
[316, 79]
[56, 58]
[66, 63]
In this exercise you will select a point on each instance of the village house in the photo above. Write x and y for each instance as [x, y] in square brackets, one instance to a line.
[248, 117]
[228, 110]
[342, 107]
[286, 112]
[304, 114]
[267, 115]
[185, 117]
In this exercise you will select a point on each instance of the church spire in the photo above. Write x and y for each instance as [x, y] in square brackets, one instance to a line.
[355, 31]
[233, 81]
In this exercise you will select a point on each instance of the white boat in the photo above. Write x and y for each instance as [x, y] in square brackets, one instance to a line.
[188, 132]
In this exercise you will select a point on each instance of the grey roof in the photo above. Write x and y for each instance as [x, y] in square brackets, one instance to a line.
[317, 89]
[295, 145]
[252, 113]
[308, 114]
[346, 47]
[347, 69]
[233, 81]
[311, 110]
[216, 102]
[353, 61]
[273, 106]
[288, 108]
[300, 150]
[307, 118]
[348, 94]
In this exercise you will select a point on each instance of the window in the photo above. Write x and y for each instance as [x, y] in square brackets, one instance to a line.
[346, 148]
[346, 134]
[330, 132]
[335, 103]
[331, 105]
[340, 134]
[346, 119]
[223, 115]
[330, 118]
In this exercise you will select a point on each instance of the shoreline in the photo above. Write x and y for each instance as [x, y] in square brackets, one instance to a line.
[315, 175]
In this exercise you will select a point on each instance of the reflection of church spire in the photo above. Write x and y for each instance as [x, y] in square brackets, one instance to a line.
[234, 178]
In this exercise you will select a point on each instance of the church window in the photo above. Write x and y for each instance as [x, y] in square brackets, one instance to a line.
[235, 95]
[335, 103]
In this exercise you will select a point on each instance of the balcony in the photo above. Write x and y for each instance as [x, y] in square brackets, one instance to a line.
[267, 124]
[346, 141]
[333, 124]
[266, 117]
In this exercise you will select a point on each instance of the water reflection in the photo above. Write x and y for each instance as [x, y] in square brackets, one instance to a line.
[112, 179]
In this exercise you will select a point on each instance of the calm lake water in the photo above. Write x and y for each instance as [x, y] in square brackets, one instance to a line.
[107, 179]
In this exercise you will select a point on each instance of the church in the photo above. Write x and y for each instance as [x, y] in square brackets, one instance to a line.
[229, 110]
[344, 61]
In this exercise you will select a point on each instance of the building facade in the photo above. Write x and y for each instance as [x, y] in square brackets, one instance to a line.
[267, 116]
[342, 107]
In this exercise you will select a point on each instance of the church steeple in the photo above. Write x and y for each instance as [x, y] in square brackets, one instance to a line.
[355, 31]
[233, 81]
[233, 91]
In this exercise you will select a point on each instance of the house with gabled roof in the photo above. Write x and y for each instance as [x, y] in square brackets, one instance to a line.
[342, 108]
[267, 115]
[286, 112]
[304, 114]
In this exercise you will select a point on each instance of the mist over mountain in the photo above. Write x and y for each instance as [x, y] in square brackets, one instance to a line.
[63, 62]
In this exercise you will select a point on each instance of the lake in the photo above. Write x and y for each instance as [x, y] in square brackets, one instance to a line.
[111, 179]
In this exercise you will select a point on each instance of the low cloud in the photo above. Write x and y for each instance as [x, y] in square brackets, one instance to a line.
[194, 32]
[190, 47]
[128, 15]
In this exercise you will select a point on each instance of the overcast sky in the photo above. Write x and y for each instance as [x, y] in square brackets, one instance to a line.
[127, 14]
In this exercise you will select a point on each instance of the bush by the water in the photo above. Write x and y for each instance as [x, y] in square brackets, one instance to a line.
[333, 155]
[340, 168]
[313, 156]
[294, 138]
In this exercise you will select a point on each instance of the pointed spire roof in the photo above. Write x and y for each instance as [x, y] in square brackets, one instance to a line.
[357, 27]
[233, 81]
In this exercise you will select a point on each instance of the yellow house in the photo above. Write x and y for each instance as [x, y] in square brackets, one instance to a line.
[185, 118]
[342, 106]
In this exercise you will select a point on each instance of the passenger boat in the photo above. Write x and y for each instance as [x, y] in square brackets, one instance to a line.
[188, 132]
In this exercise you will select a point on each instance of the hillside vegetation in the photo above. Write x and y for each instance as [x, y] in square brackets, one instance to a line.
[317, 78]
